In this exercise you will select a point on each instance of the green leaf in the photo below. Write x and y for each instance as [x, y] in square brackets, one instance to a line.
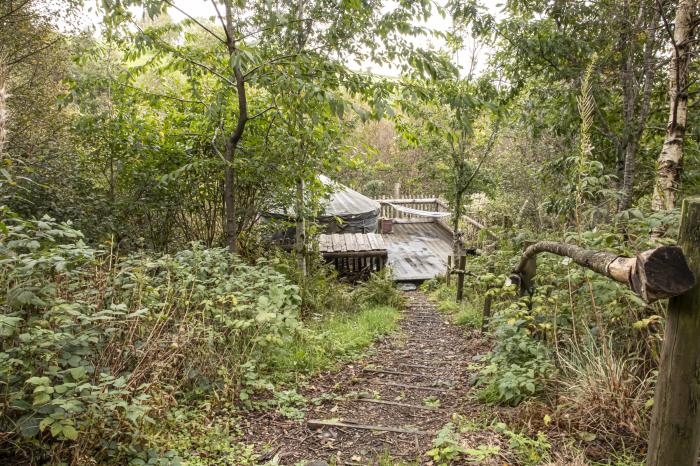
[38, 381]
[77, 373]
[70, 433]
[47, 421]
[28, 426]
[41, 398]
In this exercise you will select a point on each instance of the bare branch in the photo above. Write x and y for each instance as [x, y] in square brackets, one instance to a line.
[195, 21]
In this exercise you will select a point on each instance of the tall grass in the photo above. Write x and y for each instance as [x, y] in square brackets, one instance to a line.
[603, 393]
[332, 340]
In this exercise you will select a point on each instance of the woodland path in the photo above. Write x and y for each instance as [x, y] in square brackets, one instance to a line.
[388, 405]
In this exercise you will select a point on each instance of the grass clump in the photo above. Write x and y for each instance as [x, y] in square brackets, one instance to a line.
[331, 340]
[467, 313]
[602, 394]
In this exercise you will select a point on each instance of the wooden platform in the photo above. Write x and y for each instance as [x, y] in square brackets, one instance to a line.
[354, 255]
[418, 251]
[341, 244]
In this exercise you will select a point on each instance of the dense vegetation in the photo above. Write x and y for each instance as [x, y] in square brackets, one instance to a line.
[140, 297]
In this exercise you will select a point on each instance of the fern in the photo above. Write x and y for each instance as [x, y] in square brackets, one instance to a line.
[586, 107]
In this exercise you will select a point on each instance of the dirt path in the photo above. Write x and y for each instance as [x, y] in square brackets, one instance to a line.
[388, 405]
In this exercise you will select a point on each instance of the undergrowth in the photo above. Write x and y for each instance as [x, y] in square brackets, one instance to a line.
[581, 345]
[101, 352]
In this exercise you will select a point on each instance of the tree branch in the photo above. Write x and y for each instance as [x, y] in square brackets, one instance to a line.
[654, 274]
[196, 21]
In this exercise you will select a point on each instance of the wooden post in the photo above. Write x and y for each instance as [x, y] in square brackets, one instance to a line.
[674, 437]
[460, 277]
[448, 277]
[486, 314]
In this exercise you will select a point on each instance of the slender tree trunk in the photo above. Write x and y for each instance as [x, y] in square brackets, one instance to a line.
[628, 101]
[300, 237]
[635, 111]
[628, 175]
[671, 158]
[4, 113]
[230, 218]
[230, 213]
[456, 234]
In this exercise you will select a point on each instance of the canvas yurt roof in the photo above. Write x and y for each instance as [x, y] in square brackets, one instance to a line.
[357, 212]
[347, 203]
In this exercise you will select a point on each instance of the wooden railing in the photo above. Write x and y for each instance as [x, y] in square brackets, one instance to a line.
[430, 204]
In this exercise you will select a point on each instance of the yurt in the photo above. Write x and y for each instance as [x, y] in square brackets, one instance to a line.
[345, 211]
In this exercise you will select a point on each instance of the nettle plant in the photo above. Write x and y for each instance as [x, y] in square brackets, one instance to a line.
[519, 364]
[96, 344]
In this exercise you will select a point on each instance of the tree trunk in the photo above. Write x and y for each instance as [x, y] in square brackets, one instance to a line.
[4, 114]
[457, 241]
[635, 113]
[462, 261]
[628, 101]
[674, 436]
[231, 217]
[654, 274]
[300, 236]
[231, 221]
[670, 160]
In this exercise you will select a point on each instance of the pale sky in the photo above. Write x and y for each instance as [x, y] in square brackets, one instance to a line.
[204, 8]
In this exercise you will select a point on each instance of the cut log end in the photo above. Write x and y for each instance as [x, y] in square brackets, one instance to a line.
[661, 273]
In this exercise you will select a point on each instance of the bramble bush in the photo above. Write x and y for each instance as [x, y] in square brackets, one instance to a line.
[94, 346]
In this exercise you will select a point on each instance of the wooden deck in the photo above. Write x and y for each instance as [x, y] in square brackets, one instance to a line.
[340, 244]
[354, 255]
[418, 251]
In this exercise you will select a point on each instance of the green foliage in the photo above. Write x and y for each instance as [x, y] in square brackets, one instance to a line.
[468, 312]
[332, 339]
[97, 345]
[519, 365]
[195, 437]
[447, 448]
[91, 343]
[529, 451]
[379, 290]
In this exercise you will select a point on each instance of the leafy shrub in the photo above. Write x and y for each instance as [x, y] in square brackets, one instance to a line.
[322, 293]
[93, 346]
[519, 365]
[379, 290]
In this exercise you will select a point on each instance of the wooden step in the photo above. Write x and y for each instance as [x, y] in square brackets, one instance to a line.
[318, 423]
